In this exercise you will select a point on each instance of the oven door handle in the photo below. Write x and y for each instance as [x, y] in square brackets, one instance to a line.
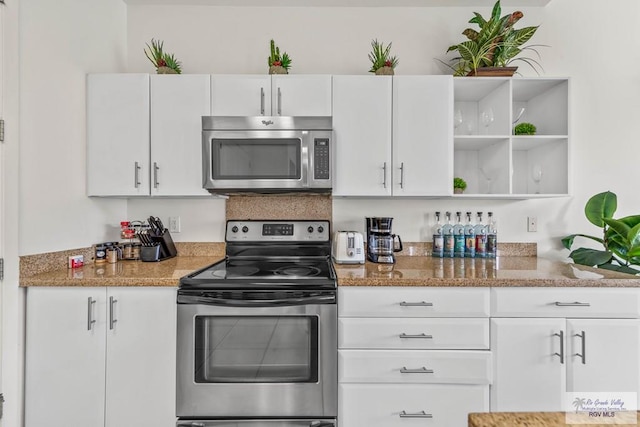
[282, 302]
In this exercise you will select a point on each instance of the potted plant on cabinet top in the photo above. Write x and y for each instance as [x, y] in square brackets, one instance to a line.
[165, 63]
[620, 237]
[278, 64]
[490, 50]
[382, 63]
[459, 185]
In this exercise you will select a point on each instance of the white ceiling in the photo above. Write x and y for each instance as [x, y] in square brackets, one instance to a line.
[344, 3]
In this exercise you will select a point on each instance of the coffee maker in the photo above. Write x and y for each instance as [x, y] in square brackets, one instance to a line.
[381, 243]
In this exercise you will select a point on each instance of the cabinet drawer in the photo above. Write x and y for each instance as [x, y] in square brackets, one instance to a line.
[386, 405]
[565, 302]
[414, 366]
[442, 334]
[413, 302]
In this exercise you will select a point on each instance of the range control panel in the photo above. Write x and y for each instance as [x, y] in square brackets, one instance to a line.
[277, 231]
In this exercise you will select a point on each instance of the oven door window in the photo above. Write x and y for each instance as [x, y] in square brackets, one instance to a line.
[264, 158]
[256, 349]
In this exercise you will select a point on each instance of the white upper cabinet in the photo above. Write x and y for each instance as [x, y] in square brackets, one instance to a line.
[362, 132]
[118, 134]
[422, 135]
[265, 95]
[490, 157]
[177, 104]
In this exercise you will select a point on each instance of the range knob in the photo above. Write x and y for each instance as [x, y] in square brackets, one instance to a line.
[245, 229]
[234, 228]
[310, 229]
[320, 229]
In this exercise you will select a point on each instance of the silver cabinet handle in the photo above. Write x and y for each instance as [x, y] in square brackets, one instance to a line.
[416, 304]
[422, 370]
[156, 168]
[423, 335]
[583, 355]
[136, 175]
[384, 175]
[402, 175]
[279, 102]
[421, 414]
[90, 319]
[112, 319]
[262, 101]
[572, 304]
[561, 354]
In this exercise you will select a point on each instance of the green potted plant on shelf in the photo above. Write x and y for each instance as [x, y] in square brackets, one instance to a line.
[382, 63]
[524, 129]
[491, 49]
[165, 63]
[459, 185]
[278, 64]
[620, 237]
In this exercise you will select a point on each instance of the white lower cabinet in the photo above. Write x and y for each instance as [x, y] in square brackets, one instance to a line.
[100, 357]
[410, 357]
[537, 360]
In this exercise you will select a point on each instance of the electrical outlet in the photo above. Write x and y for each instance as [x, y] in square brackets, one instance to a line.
[532, 224]
[174, 224]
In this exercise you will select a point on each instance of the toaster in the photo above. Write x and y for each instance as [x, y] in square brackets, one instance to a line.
[348, 247]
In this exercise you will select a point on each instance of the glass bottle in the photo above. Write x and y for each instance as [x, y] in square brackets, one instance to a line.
[469, 238]
[481, 237]
[447, 233]
[458, 237]
[438, 243]
[492, 237]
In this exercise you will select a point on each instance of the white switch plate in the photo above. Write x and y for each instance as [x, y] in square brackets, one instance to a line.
[532, 224]
[174, 224]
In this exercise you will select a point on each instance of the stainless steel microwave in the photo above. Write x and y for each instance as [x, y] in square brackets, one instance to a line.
[267, 154]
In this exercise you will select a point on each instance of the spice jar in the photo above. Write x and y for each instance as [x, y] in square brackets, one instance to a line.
[126, 231]
[100, 254]
[112, 255]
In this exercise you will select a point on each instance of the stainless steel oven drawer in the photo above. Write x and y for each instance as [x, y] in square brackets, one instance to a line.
[258, 423]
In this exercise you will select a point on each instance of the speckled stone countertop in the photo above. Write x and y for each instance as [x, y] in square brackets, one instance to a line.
[501, 271]
[544, 419]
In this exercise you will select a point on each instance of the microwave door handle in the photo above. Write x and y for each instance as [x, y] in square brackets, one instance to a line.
[305, 164]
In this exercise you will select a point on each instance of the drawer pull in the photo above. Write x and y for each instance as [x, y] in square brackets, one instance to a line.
[416, 304]
[422, 370]
[423, 335]
[572, 304]
[582, 355]
[421, 414]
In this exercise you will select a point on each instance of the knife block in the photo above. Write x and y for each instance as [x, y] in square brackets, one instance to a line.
[167, 247]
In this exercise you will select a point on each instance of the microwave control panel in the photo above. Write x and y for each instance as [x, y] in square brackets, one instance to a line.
[321, 158]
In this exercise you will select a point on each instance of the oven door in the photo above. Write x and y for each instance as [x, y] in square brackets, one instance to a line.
[257, 354]
[258, 423]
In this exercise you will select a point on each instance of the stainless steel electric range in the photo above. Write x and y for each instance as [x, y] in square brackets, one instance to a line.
[257, 332]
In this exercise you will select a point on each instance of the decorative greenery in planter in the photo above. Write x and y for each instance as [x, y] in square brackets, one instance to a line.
[496, 44]
[165, 63]
[382, 63]
[524, 129]
[620, 237]
[459, 185]
[278, 64]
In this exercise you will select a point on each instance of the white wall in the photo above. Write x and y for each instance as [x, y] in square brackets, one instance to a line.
[59, 43]
[604, 87]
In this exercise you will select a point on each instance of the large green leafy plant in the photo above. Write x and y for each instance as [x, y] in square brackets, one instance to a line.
[496, 44]
[620, 237]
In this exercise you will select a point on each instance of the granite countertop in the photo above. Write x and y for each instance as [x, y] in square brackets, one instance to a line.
[543, 419]
[501, 271]
[408, 271]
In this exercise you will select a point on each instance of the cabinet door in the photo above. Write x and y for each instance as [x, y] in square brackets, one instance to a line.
[240, 95]
[141, 363]
[301, 95]
[65, 357]
[177, 104]
[362, 130]
[118, 134]
[422, 135]
[604, 355]
[528, 375]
